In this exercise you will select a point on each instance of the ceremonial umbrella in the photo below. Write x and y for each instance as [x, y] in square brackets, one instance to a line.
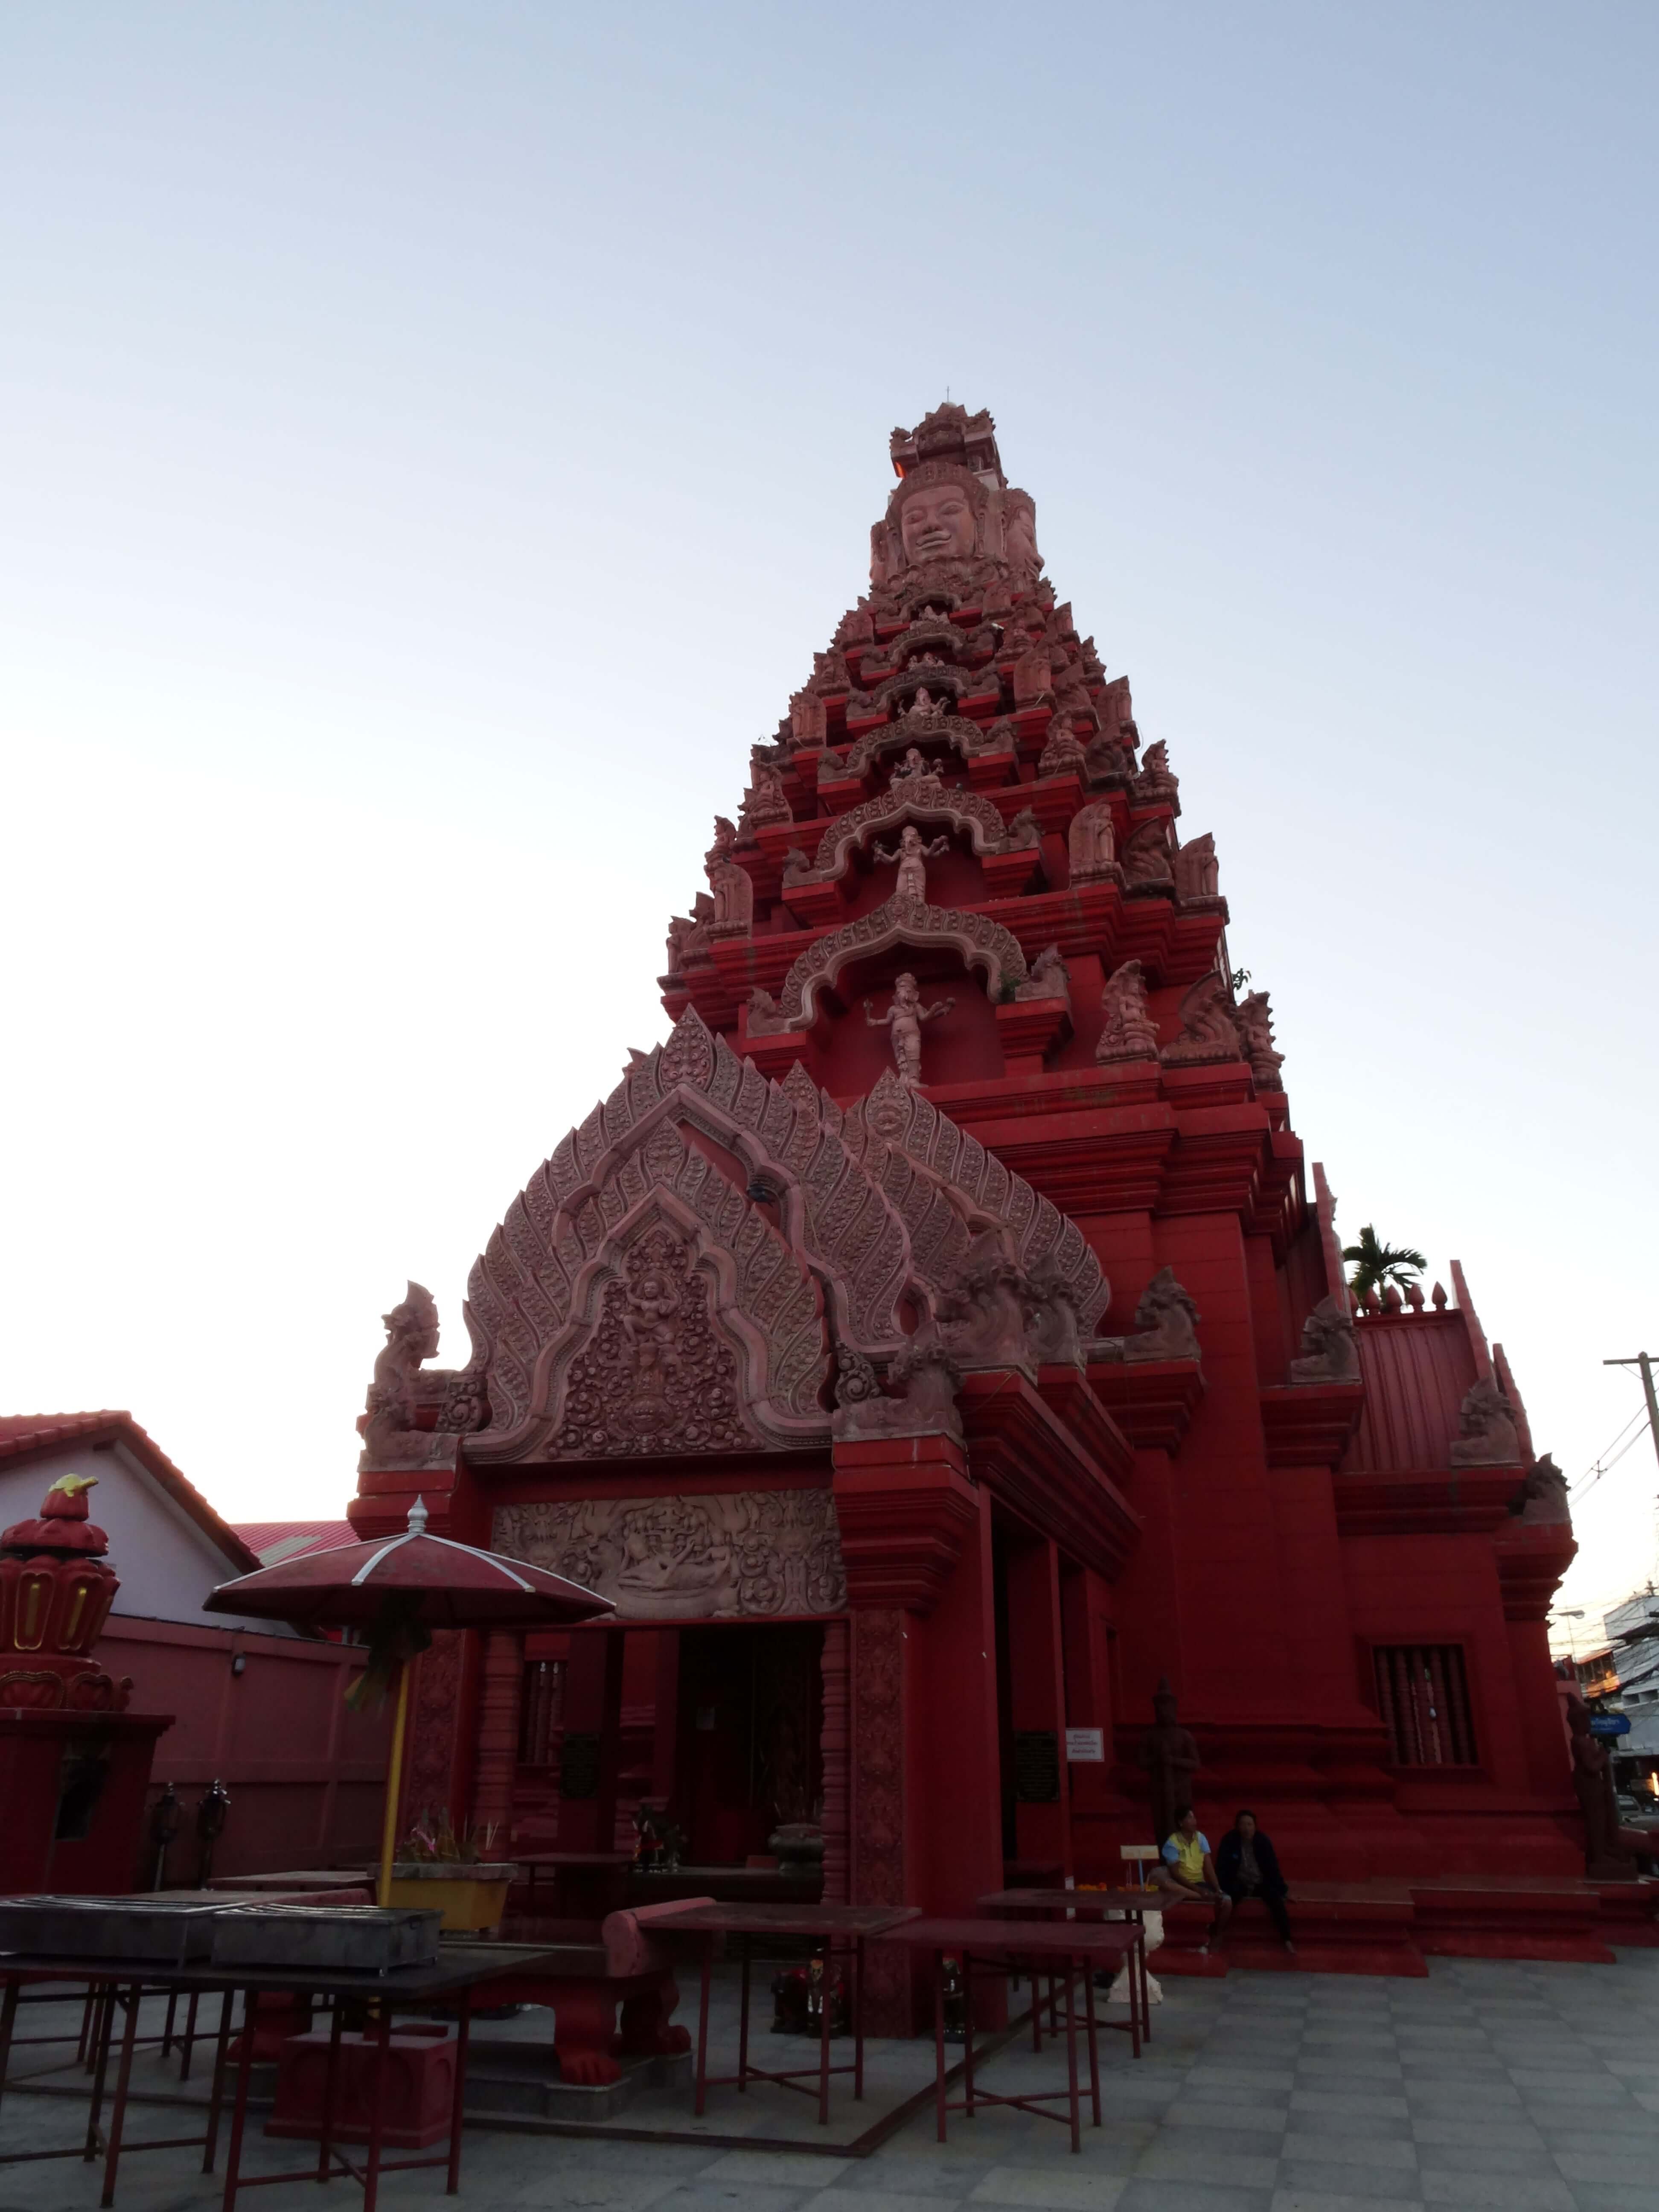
[400, 1588]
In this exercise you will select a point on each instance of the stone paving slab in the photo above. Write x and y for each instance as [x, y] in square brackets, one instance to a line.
[1527, 2086]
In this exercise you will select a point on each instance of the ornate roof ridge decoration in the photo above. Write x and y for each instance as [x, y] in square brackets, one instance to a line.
[529, 1296]
[967, 738]
[913, 798]
[895, 1125]
[981, 943]
[640, 1296]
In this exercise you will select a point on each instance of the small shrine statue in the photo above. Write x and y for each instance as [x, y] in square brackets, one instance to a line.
[905, 1017]
[912, 855]
[923, 703]
[1170, 1755]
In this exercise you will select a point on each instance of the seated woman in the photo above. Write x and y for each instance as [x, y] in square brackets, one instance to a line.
[1186, 1868]
[1247, 1865]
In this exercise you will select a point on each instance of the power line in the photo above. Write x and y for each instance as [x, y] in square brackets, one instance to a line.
[1598, 1467]
[1603, 1468]
[1604, 1465]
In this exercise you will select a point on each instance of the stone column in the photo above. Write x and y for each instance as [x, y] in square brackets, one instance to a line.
[442, 1737]
[905, 1511]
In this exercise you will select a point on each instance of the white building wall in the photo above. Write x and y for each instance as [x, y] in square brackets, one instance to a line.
[167, 1562]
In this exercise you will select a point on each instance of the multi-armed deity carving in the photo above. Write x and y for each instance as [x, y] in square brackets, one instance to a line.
[904, 1019]
[655, 1374]
[913, 856]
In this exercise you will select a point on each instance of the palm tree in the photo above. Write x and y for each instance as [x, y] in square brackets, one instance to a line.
[1377, 1264]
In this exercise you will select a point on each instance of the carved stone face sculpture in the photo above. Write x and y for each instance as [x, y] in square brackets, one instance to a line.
[936, 524]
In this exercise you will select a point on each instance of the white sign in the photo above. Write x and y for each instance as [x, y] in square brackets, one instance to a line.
[1085, 1746]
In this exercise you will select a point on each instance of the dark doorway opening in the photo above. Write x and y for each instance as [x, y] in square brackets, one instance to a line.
[747, 1755]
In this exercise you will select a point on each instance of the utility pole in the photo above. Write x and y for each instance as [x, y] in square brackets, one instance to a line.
[1644, 1362]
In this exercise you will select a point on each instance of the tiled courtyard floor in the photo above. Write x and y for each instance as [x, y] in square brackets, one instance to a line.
[1533, 2088]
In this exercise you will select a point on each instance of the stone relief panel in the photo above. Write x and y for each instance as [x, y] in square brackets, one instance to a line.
[759, 1553]
[654, 1377]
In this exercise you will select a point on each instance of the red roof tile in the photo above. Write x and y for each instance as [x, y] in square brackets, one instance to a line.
[275, 1541]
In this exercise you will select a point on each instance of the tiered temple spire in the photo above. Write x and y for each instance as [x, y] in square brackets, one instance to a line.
[960, 729]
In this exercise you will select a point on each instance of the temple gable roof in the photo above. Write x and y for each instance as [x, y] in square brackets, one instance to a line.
[784, 1234]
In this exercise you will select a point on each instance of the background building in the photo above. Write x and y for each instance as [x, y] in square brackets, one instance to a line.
[254, 1706]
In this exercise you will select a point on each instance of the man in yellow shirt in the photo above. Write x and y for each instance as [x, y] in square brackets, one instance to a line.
[1187, 1869]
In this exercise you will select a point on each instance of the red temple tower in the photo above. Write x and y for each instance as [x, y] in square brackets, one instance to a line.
[936, 1342]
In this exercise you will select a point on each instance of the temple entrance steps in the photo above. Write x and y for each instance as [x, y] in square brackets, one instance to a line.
[1391, 1926]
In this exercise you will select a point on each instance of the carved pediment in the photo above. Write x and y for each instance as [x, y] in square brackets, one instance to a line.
[688, 1269]
[921, 798]
[982, 944]
[964, 737]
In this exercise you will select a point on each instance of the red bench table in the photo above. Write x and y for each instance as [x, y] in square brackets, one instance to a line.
[829, 1927]
[1009, 1947]
[1130, 1904]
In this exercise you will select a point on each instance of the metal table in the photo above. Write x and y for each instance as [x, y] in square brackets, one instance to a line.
[452, 1976]
[829, 1926]
[1006, 1947]
[1133, 1904]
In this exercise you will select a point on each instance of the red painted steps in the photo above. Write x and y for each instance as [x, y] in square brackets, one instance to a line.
[1390, 1927]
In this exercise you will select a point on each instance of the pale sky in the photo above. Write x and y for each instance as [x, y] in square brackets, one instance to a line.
[436, 438]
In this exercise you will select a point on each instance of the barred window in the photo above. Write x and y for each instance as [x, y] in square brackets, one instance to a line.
[541, 1711]
[1423, 1694]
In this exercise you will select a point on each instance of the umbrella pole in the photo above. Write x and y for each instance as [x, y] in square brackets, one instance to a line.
[394, 1783]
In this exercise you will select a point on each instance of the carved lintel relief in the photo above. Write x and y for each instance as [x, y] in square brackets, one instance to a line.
[747, 1553]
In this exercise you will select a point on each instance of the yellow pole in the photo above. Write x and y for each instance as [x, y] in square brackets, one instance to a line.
[394, 1783]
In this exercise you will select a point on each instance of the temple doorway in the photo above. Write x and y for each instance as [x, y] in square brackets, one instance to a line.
[747, 1754]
